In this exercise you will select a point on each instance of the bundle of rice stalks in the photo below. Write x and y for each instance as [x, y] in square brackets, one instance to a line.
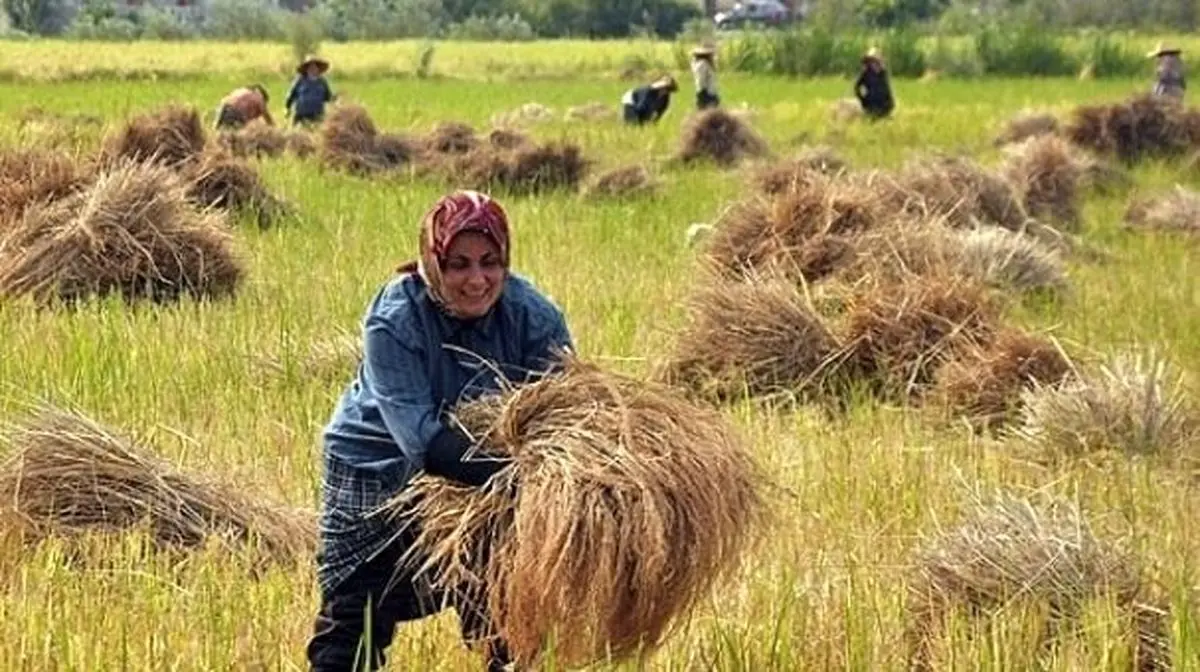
[845, 110]
[221, 181]
[172, 136]
[985, 386]
[41, 128]
[1101, 176]
[332, 359]
[954, 189]
[1007, 260]
[1047, 176]
[301, 144]
[897, 254]
[1135, 404]
[1143, 127]
[255, 139]
[782, 176]
[505, 138]
[759, 338]
[799, 233]
[351, 142]
[721, 137]
[594, 111]
[626, 181]
[33, 176]
[451, 137]
[1010, 553]
[1178, 210]
[65, 475]
[1027, 125]
[526, 170]
[579, 542]
[899, 335]
[133, 231]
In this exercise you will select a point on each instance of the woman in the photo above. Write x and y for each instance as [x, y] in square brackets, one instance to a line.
[433, 336]
[872, 88]
[704, 71]
[648, 103]
[310, 92]
[243, 106]
[1169, 79]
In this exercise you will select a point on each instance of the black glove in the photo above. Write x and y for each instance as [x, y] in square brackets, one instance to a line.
[445, 458]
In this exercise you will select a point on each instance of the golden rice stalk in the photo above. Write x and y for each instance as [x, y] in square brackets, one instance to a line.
[65, 474]
[623, 505]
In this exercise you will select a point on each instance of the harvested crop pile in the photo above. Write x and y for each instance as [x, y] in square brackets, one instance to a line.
[301, 144]
[33, 176]
[954, 189]
[623, 505]
[757, 337]
[1027, 125]
[451, 138]
[782, 176]
[898, 336]
[133, 231]
[804, 232]
[350, 142]
[1010, 554]
[1007, 260]
[1140, 128]
[1101, 176]
[985, 385]
[1177, 210]
[1047, 177]
[721, 137]
[221, 181]
[529, 169]
[255, 139]
[504, 138]
[66, 474]
[172, 136]
[1132, 405]
[594, 111]
[620, 182]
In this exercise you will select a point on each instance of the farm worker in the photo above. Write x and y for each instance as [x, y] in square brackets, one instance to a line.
[872, 88]
[432, 336]
[244, 105]
[1169, 73]
[310, 92]
[705, 73]
[649, 103]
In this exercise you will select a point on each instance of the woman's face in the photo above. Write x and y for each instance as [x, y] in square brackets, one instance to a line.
[472, 275]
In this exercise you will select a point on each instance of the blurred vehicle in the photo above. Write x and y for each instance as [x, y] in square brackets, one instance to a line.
[764, 12]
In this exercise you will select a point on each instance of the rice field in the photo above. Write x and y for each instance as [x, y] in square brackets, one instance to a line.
[861, 491]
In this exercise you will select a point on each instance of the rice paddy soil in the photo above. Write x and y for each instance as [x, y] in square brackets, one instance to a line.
[242, 387]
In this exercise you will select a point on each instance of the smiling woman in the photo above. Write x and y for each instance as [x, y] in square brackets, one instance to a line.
[449, 328]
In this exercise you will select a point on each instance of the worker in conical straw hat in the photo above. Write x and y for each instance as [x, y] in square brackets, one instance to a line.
[310, 91]
[392, 423]
[648, 103]
[872, 88]
[1169, 76]
[704, 72]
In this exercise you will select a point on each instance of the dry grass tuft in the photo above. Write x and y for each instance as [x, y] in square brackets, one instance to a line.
[1003, 259]
[780, 177]
[172, 136]
[66, 475]
[955, 190]
[899, 335]
[1027, 125]
[719, 136]
[221, 181]
[1178, 210]
[624, 504]
[1010, 553]
[626, 181]
[32, 176]
[759, 337]
[1135, 405]
[1047, 175]
[985, 386]
[1141, 128]
[133, 232]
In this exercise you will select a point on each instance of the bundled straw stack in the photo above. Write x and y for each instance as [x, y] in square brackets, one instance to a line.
[718, 136]
[623, 504]
[65, 475]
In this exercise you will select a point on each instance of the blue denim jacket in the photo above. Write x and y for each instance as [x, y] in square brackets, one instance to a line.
[309, 96]
[418, 362]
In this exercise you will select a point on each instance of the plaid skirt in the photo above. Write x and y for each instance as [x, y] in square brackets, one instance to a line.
[353, 531]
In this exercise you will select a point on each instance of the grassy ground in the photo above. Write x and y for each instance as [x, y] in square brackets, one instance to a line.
[827, 590]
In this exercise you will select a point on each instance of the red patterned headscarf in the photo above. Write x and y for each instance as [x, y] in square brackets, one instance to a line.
[453, 214]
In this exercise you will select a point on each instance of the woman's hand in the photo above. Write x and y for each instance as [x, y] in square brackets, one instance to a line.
[446, 455]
